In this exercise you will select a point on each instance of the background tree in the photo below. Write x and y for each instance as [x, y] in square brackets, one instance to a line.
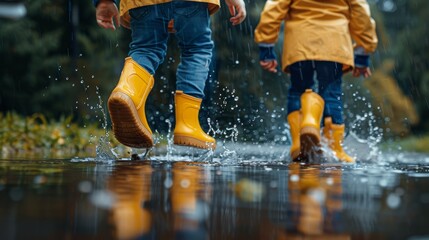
[53, 58]
[412, 56]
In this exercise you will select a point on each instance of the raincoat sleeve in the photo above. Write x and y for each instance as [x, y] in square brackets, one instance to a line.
[362, 26]
[97, 1]
[274, 13]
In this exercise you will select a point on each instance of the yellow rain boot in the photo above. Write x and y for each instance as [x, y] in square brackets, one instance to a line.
[312, 110]
[294, 120]
[127, 106]
[334, 133]
[188, 131]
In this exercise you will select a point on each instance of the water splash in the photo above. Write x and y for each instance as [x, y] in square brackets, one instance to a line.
[104, 151]
[364, 131]
[169, 139]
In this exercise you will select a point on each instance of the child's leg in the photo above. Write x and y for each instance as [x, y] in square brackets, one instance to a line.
[147, 50]
[192, 25]
[149, 35]
[329, 77]
[301, 77]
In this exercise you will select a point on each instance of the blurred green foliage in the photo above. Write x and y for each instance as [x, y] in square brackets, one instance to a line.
[413, 144]
[35, 136]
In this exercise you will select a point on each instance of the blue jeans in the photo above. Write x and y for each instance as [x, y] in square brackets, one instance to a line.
[329, 80]
[148, 47]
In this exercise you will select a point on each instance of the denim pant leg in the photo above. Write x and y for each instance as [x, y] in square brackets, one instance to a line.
[149, 35]
[192, 25]
[301, 77]
[329, 77]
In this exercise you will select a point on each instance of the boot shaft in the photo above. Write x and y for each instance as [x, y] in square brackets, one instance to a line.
[187, 111]
[136, 82]
[188, 130]
[294, 120]
[312, 105]
[334, 134]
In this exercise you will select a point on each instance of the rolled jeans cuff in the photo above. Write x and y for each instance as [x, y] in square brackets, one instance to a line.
[266, 53]
[361, 60]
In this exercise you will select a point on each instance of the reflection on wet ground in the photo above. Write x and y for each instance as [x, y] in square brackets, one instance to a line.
[69, 199]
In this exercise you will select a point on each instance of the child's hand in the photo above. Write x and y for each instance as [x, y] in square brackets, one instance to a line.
[105, 13]
[269, 65]
[237, 10]
[364, 71]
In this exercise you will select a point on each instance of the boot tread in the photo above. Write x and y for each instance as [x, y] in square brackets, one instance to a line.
[127, 126]
[310, 139]
[193, 142]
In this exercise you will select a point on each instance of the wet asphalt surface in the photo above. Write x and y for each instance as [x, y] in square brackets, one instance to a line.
[258, 195]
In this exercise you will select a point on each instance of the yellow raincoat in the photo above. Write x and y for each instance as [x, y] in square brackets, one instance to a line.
[318, 29]
[126, 5]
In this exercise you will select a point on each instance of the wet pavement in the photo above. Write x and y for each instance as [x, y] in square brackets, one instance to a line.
[172, 197]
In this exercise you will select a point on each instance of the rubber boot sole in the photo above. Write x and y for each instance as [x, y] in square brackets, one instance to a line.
[193, 142]
[127, 127]
[310, 141]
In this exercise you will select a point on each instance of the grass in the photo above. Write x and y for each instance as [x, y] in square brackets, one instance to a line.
[413, 144]
[35, 136]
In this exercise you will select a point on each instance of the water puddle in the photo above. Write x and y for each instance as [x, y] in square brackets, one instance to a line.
[255, 194]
